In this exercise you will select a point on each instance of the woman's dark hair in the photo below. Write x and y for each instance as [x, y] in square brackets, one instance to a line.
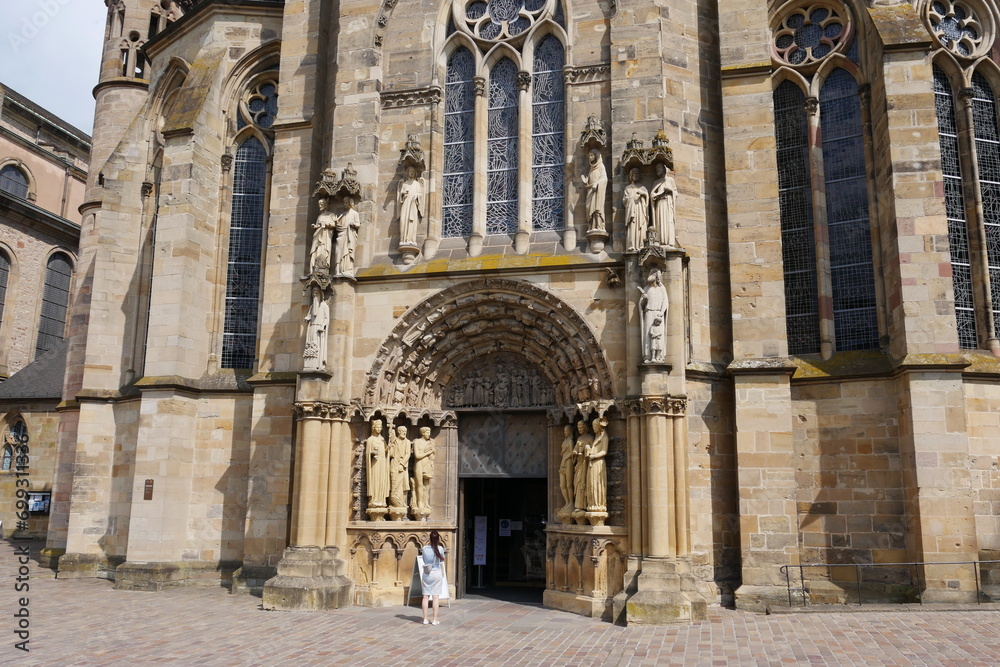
[436, 544]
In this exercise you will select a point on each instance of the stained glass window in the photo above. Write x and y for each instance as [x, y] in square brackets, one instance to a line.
[55, 299]
[954, 201]
[246, 234]
[548, 136]
[849, 227]
[984, 118]
[13, 181]
[798, 247]
[459, 135]
[502, 149]
[4, 274]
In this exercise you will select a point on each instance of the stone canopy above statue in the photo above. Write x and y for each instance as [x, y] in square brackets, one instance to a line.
[508, 380]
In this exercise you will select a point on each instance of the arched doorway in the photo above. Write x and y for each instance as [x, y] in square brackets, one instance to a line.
[496, 368]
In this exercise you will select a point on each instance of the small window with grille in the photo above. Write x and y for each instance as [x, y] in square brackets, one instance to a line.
[14, 181]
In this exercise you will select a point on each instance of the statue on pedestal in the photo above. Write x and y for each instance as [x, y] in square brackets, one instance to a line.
[399, 473]
[663, 194]
[596, 182]
[653, 306]
[597, 475]
[635, 199]
[322, 241]
[566, 474]
[410, 202]
[347, 228]
[318, 318]
[377, 463]
[423, 473]
[582, 453]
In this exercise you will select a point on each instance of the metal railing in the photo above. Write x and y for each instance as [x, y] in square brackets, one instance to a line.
[858, 569]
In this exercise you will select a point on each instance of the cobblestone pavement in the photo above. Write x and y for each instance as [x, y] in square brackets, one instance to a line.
[86, 622]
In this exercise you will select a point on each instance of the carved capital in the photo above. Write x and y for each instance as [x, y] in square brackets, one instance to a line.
[226, 161]
[147, 189]
[479, 84]
[812, 106]
[523, 80]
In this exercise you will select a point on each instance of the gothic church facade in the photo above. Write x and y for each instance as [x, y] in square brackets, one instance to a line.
[633, 303]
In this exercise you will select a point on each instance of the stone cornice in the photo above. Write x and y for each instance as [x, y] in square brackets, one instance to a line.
[586, 74]
[393, 99]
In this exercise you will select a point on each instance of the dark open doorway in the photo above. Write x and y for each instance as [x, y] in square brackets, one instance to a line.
[511, 517]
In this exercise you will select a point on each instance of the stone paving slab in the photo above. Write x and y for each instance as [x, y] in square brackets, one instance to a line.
[87, 622]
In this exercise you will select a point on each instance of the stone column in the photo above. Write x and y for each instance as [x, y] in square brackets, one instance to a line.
[479, 178]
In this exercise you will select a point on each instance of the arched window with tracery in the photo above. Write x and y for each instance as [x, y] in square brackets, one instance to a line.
[970, 163]
[251, 180]
[4, 277]
[512, 52]
[55, 301]
[826, 229]
[14, 181]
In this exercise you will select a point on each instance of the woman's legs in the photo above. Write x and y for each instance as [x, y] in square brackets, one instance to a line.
[434, 620]
[423, 605]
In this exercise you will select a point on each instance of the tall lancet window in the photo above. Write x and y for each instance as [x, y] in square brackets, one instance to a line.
[548, 136]
[798, 245]
[513, 53]
[55, 301]
[247, 226]
[827, 250]
[984, 118]
[954, 202]
[501, 172]
[848, 224]
[459, 146]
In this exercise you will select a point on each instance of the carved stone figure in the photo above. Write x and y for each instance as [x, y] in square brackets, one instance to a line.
[399, 473]
[581, 453]
[410, 202]
[423, 472]
[322, 242]
[597, 475]
[318, 320]
[378, 472]
[636, 202]
[348, 225]
[566, 474]
[653, 306]
[596, 182]
[663, 194]
[171, 9]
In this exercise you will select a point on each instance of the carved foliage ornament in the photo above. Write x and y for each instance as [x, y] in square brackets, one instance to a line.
[958, 26]
[807, 33]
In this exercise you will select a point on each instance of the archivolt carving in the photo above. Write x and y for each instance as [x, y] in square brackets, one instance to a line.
[480, 318]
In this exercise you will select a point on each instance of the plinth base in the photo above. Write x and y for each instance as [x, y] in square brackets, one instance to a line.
[664, 593]
[409, 253]
[309, 579]
[596, 239]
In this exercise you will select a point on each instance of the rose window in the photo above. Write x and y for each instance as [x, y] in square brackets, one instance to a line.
[807, 35]
[500, 20]
[956, 25]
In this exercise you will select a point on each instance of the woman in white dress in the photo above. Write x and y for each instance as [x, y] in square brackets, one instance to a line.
[432, 575]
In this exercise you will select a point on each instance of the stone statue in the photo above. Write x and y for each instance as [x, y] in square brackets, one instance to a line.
[410, 203]
[582, 453]
[399, 473]
[348, 225]
[653, 306]
[636, 202]
[566, 474]
[322, 242]
[663, 194]
[171, 9]
[597, 475]
[423, 472]
[316, 331]
[596, 183]
[378, 472]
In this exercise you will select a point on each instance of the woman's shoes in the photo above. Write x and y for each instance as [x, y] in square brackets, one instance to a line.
[426, 622]
[434, 623]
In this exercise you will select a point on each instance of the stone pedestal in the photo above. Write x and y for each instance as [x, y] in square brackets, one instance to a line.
[409, 253]
[664, 593]
[309, 579]
[596, 240]
[376, 513]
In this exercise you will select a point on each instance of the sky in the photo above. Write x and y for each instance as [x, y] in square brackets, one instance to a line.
[50, 52]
